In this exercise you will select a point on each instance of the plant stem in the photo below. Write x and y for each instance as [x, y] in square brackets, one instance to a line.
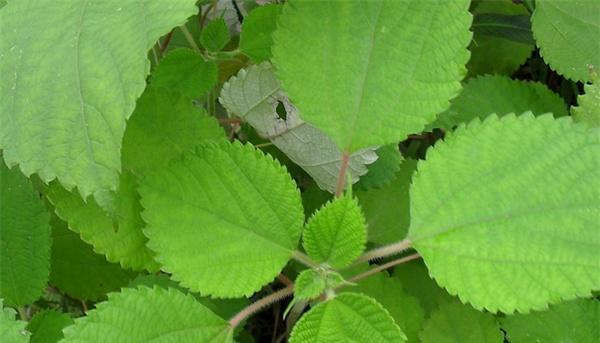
[23, 313]
[190, 40]
[262, 145]
[166, 41]
[261, 304]
[384, 267]
[387, 250]
[304, 259]
[341, 180]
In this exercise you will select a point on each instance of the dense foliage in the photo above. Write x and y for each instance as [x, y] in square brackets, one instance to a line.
[303, 171]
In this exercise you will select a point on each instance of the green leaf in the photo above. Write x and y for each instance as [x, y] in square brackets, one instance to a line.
[184, 72]
[123, 242]
[255, 39]
[333, 58]
[11, 329]
[313, 198]
[387, 209]
[72, 71]
[492, 54]
[46, 326]
[489, 94]
[164, 126]
[503, 212]
[572, 321]
[588, 111]
[404, 308]
[336, 234]
[516, 28]
[24, 239]
[239, 205]
[309, 284]
[458, 323]
[149, 315]
[78, 271]
[254, 95]
[384, 170]
[349, 317]
[215, 35]
[568, 35]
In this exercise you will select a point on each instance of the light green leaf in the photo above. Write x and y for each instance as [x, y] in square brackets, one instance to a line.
[458, 323]
[384, 170]
[489, 94]
[588, 111]
[183, 71]
[504, 212]
[163, 127]
[77, 270]
[11, 329]
[387, 209]
[46, 326]
[72, 71]
[24, 239]
[349, 317]
[336, 234]
[404, 308]
[568, 35]
[254, 95]
[215, 35]
[309, 284]
[333, 58]
[255, 40]
[123, 242]
[149, 315]
[572, 321]
[237, 204]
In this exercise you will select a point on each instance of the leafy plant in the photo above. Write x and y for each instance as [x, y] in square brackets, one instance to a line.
[371, 171]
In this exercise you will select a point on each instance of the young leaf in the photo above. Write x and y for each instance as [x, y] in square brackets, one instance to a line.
[224, 220]
[12, 330]
[254, 95]
[568, 36]
[149, 315]
[349, 317]
[387, 209]
[458, 323]
[503, 212]
[64, 115]
[123, 242]
[489, 94]
[337, 233]
[255, 39]
[384, 170]
[404, 308]
[183, 71]
[77, 270]
[572, 321]
[309, 284]
[46, 326]
[215, 35]
[24, 239]
[333, 58]
[163, 127]
[588, 111]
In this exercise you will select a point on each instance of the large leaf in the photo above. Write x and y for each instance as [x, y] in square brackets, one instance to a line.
[337, 233]
[78, 271]
[349, 317]
[568, 35]
[224, 220]
[46, 326]
[333, 58]
[72, 71]
[24, 239]
[588, 110]
[505, 212]
[149, 315]
[254, 95]
[11, 329]
[255, 39]
[489, 94]
[458, 323]
[573, 321]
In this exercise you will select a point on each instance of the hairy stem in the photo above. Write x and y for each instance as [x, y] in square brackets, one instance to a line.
[384, 267]
[190, 39]
[23, 313]
[166, 41]
[304, 259]
[341, 180]
[261, 304]
[385, 251]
